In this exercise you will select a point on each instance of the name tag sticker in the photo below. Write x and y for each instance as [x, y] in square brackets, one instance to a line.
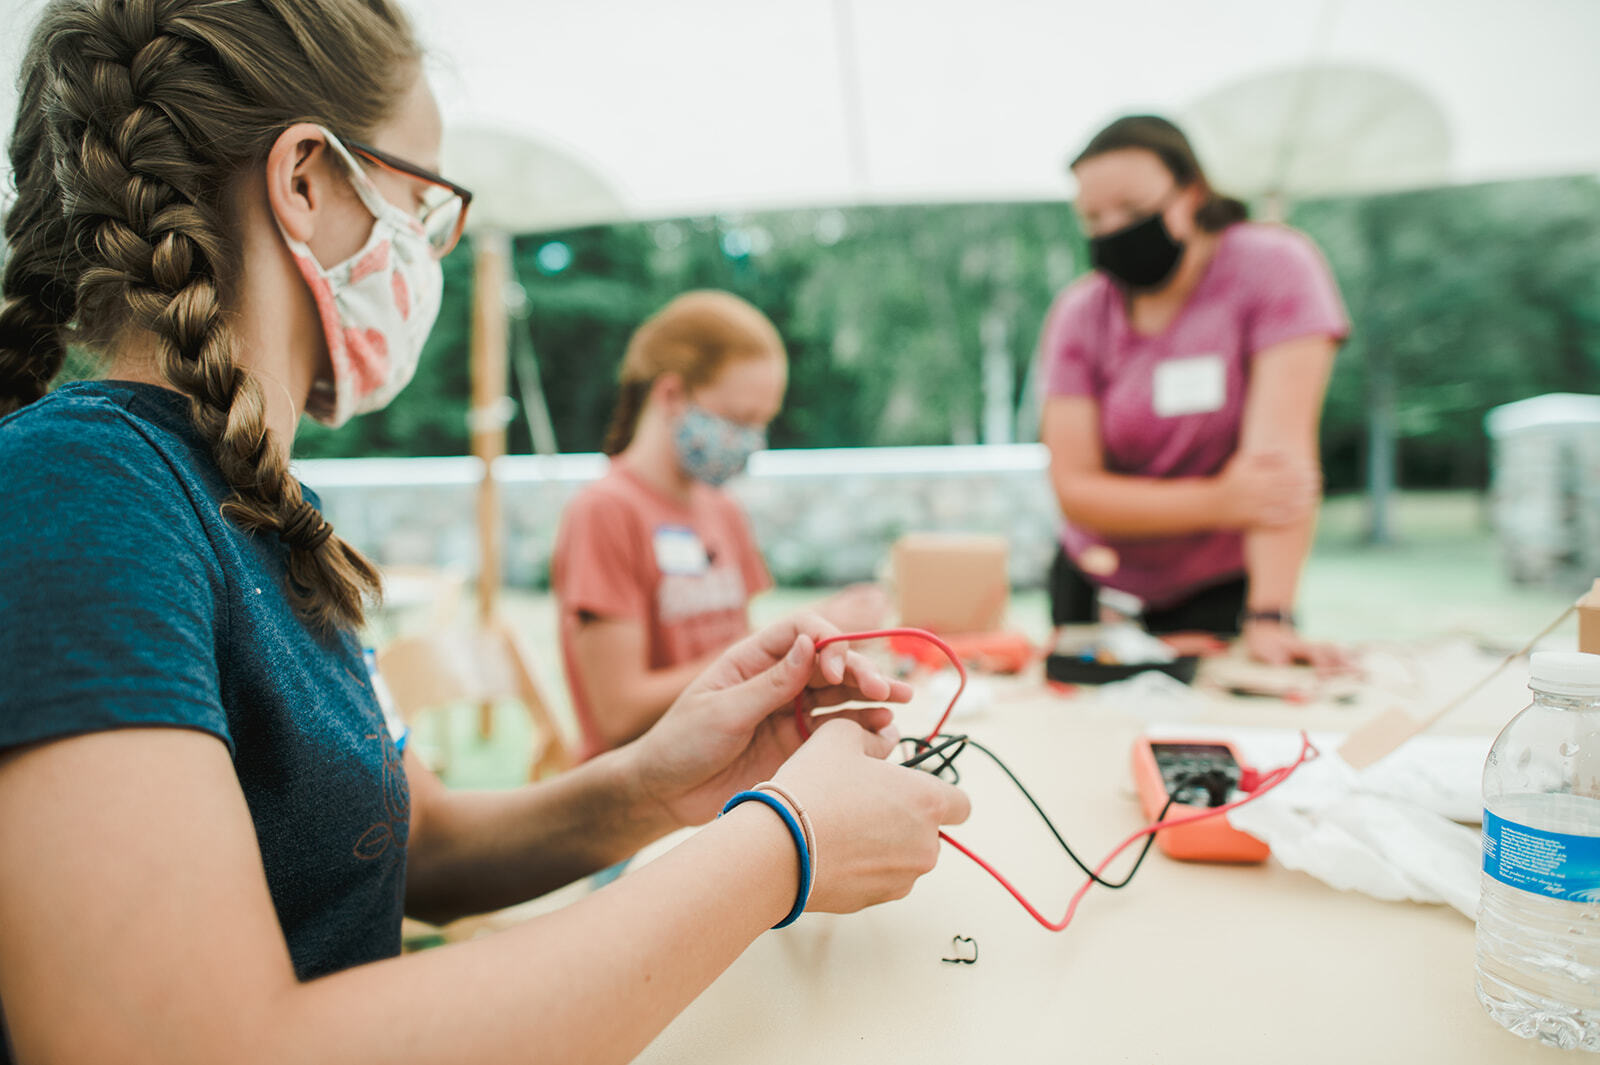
[1194, 385]
[679, 552]
[398, 732]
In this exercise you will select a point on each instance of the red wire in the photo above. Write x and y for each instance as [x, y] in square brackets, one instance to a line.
[879, 634]
[1269, 780]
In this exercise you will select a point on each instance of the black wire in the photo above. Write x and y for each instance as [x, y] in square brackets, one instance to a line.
[926, 748]
[946, 769]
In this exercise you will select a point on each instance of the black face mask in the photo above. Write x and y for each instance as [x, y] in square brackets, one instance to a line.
[1142, 255]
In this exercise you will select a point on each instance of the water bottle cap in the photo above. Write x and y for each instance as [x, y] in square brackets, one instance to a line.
[1565, 673]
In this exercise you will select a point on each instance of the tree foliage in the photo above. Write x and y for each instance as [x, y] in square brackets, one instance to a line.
[1471, 296]
[1476, 296]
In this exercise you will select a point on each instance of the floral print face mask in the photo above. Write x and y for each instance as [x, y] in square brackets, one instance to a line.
[377, 307]
[712, 449]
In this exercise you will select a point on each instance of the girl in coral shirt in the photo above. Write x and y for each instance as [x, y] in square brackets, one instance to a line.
[654, 564]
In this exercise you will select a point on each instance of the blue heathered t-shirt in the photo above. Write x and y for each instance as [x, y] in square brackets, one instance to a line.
[126, 599]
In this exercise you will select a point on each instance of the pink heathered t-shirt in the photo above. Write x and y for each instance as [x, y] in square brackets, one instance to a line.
[1171, 405]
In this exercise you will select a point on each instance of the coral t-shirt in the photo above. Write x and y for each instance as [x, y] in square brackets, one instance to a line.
[685, 571]
[1171, 405]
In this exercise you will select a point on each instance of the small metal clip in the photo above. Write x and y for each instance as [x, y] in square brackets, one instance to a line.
[955, 948]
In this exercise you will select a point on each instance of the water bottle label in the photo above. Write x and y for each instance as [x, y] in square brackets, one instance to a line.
[1556, 865]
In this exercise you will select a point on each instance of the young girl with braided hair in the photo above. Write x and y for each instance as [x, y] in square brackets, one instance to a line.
[207, 835]
[655, 564]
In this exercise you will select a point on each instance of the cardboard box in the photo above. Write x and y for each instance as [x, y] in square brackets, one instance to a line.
[951, 582]
[1589, 621]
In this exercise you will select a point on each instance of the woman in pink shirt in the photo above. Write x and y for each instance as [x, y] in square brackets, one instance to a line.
[654, 564]
[1185, 380]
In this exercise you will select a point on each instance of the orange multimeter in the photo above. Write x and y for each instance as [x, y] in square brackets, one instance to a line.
[1198, 775]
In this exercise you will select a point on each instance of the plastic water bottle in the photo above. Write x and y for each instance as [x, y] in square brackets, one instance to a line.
[1539, 917]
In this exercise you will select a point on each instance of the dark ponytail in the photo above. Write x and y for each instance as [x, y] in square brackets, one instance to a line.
[1166, 142]
[1219, 212]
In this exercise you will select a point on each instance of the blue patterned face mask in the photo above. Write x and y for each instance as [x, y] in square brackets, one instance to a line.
[712, 449]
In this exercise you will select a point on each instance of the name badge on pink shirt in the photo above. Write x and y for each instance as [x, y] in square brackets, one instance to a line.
[679, 552]
[1197, 384]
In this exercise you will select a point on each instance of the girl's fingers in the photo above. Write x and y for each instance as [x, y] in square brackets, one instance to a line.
[899, 692]
[874, 684]
[775, 686]
[861, 675]
[876, 721]
[834, 662]
[833, 694]
[950, 802]
[837, 661]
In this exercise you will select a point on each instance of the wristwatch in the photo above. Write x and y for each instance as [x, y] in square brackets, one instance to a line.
[1276, 617]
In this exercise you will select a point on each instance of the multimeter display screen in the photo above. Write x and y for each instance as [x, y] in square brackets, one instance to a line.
[1181, 762]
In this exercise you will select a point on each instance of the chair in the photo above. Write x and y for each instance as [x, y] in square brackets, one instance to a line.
[482, 666]
[416, 599]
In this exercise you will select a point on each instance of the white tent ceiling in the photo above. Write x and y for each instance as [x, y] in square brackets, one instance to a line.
[643, 108]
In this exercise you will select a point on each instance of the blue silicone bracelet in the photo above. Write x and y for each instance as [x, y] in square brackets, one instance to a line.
[800, 847]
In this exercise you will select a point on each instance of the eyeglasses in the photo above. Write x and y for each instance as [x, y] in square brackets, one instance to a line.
[444, 206]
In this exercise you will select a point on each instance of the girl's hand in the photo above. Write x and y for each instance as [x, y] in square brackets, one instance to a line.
[858, 608]
[734, 726]
[876, 823]
[1278, 644]
[1196, 644]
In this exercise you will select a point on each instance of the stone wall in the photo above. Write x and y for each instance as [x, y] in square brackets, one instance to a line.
[821, 516]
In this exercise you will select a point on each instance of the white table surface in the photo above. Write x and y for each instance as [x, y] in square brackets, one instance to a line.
[1191, 963]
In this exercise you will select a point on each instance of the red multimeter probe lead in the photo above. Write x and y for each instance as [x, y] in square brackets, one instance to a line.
[1266, 782]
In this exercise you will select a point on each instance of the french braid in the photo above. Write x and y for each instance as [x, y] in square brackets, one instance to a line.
[35, 299]
[136, 115]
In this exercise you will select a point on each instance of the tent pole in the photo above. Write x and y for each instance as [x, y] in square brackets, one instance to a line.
[487, 418]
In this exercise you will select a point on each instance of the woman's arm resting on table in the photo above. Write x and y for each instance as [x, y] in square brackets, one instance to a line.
[1282, 414]
[1253, 490]
[140, 929]
[626, 695]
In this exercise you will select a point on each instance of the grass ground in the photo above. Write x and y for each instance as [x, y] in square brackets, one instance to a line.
[1443, 574]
